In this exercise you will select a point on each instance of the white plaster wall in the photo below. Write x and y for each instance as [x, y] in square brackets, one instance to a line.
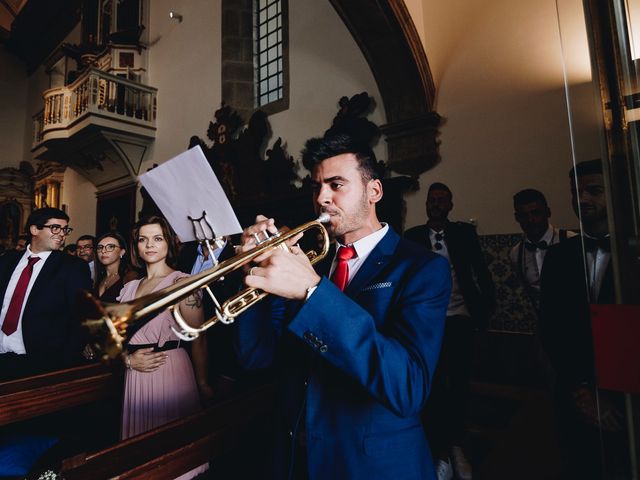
[324, 64]
[13, 113]
[184, 65]
[184, 58]
[79, 195]
[498, 71]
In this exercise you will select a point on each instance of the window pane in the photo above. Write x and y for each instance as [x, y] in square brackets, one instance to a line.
[273, 96]
[273, 39]
[263, 72]
[272, 11]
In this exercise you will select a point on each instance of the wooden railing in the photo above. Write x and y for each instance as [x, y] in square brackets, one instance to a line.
[220, 431]
[51, 392]
[171, 450]
[99, 93]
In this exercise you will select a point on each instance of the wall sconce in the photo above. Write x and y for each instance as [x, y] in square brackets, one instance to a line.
[175, 16]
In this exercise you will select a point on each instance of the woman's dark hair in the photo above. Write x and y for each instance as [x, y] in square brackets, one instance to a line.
[167, 233]
[123, 268]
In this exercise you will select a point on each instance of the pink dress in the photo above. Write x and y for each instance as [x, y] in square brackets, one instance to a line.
[154, 398]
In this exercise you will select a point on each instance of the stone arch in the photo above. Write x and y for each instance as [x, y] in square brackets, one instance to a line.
[390, 43]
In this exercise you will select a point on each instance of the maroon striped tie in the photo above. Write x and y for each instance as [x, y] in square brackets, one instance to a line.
[10, 323]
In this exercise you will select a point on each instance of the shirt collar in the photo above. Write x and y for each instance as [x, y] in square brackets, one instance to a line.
[365, 245]
[548, 236]
[43, 255]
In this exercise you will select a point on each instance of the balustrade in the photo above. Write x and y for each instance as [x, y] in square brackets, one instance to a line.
[95, 93]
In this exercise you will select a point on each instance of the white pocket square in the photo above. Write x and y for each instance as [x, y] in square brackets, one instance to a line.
[377, 286]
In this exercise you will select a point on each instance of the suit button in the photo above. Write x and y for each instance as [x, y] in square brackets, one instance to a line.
[307, 335]
[323, 349]
[291, 433]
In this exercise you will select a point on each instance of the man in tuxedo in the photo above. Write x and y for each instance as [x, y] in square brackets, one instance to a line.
[39, 320]
[565, 329]
[471, 304]
[532, 213]
[356, 354]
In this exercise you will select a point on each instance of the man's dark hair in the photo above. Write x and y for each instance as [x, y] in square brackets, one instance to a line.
[87, 237]
[440, 186]
[588, 167]
[529, 195]
[40, 216]
[316, 150]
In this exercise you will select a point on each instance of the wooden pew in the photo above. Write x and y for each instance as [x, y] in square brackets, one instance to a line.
[30, 397]
[175, 448]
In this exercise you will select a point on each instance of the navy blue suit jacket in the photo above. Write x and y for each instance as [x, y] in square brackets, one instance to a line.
[51, 319]
[357, 367]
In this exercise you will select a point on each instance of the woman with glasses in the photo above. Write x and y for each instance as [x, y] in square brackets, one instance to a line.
[112, 268]
[160, 385]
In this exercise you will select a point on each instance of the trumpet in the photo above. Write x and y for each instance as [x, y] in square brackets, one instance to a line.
[109, 333]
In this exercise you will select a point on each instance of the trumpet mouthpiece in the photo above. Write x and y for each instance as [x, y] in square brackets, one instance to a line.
[324, 217]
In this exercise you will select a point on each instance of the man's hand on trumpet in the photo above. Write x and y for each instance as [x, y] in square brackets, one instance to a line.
[288, 274]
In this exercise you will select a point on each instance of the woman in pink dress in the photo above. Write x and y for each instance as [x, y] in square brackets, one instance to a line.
[160, 385]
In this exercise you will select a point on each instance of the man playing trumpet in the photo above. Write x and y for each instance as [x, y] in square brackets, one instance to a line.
[356, 340]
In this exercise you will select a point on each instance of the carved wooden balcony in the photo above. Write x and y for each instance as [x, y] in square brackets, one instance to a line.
[97, 118]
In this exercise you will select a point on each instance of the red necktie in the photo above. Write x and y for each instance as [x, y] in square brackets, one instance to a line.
[341, 274]
[10, 323]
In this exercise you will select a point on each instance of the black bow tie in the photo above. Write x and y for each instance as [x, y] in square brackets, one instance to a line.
[593, 244]
[533, 246]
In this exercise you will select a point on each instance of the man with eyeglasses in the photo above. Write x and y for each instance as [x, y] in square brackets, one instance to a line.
[472, 302]
[85, 246]
[39, 320]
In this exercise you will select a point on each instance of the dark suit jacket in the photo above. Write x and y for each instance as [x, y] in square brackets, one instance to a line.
[565, 320]
[220, 338]
[51, 319]
[356, 366]
[467, 260]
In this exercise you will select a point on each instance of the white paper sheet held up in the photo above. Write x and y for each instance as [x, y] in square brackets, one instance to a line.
[186, 186]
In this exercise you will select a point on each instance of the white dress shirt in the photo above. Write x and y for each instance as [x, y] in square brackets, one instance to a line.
[597, 263]
[531, 262]
[14, 343]
[456, 302]
[363, 248]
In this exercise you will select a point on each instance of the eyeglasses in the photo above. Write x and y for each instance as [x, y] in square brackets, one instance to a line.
[84, 247]
[439, 238]
[55, 229]
[109, 247]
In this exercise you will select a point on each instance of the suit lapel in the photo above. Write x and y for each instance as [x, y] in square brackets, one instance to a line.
[45, 275]
[375, 262]
[12, 262]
